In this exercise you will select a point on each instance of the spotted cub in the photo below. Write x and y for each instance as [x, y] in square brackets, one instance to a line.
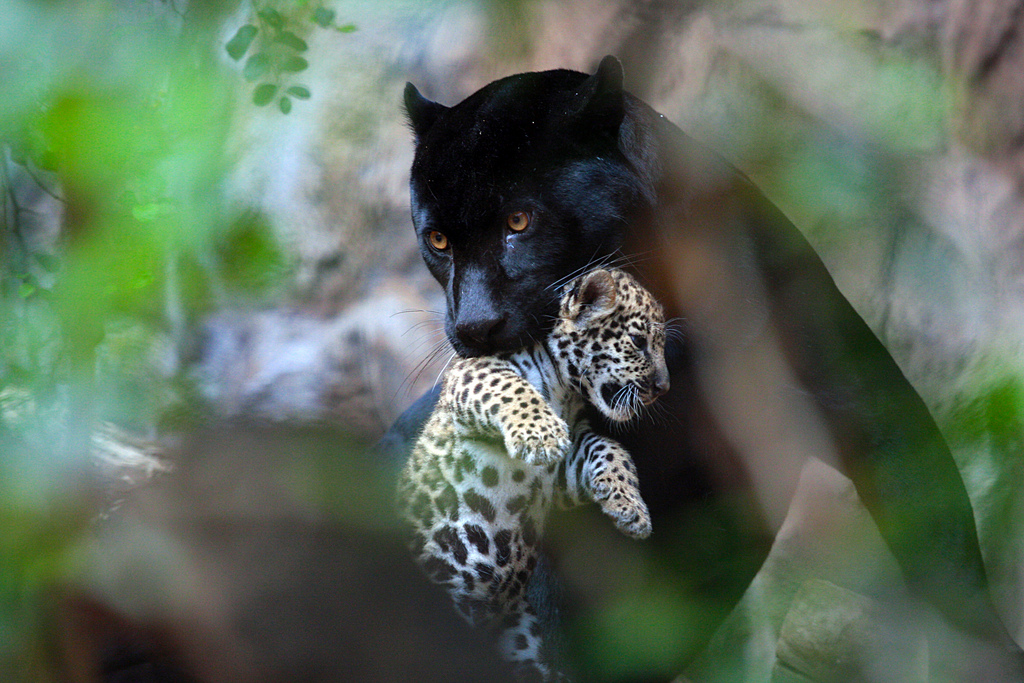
[508, 438]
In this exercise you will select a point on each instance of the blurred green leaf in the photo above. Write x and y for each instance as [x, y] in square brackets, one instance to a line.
[323, 17]
[291, 40]
[150, 211]
[256, 66]
[102, 135]
[347, 28]
[133, 113]
[299, 92]
[240, 42]
[285, 104]
[48, 262]
[263, 94]
[272, 17]
[47, 160]
[294, 64]
[250, 256]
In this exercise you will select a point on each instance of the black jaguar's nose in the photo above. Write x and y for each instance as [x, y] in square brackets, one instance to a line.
[479, 333]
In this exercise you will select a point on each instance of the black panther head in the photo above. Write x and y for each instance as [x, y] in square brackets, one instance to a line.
[515, 189]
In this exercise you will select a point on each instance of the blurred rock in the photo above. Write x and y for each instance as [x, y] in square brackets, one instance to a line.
[983, 52]
[358, 369]
[268, 554]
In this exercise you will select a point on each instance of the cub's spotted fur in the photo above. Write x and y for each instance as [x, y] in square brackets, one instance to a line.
[508, 438]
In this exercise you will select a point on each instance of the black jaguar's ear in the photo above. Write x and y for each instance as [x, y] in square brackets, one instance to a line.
[593, 298]
[422, 112]
[601, 100]
[609, 74]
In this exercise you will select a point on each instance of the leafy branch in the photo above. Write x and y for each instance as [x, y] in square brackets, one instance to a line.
[276, 53]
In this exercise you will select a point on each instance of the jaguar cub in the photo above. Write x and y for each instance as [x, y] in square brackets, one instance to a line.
[508, 438]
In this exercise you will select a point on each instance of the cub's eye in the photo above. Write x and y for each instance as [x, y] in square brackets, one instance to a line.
[518, 221]
[437, 240]
[639, 341]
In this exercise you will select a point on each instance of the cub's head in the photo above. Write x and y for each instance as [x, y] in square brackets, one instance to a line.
[610, 338]
[513, 190]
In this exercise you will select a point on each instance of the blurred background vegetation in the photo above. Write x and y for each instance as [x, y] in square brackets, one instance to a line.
[204, 215]
[115, 235]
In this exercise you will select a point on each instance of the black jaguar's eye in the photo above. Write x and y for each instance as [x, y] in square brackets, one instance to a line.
[437, 240]
[518, 221]
[639, 341]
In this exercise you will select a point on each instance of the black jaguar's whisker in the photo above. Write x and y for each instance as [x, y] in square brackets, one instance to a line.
[632, 261]
[564, 280]
[413, 376]
[444, 367]
[431, 340]
[416, 310]
[591, 263]
[423, 323]
[426, 329]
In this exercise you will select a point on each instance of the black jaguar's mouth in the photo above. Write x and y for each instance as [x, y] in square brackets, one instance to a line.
[501, 343]
[514, 322]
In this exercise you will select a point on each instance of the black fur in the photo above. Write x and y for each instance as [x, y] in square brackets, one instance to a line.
[541, 143]
[600, 172]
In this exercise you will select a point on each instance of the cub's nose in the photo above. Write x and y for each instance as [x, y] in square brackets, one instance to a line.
[479, 333]
[660, 384]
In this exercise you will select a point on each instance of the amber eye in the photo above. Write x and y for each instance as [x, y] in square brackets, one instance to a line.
[437, 240]
[518, 221]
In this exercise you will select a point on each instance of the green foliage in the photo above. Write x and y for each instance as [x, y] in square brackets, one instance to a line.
[322, 17]
[239, 44]
[249, 258]
[277, 44]
[263, 94]
[118, 140]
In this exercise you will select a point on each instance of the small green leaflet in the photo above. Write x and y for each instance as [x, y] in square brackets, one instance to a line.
[240, 42]
[272, 17]
[256, 66]
[291, 40]
[263, 93]
[294, 64]
[323, 17]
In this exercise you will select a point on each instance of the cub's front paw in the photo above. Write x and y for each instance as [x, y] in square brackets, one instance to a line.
[623, 503]
[540, 442]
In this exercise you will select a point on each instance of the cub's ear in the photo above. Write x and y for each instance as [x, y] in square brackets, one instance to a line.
[593, 298]
[601, 102]
[422, 112]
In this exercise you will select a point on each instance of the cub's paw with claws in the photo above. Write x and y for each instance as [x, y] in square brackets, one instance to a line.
[541, 441]
[624, 505]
